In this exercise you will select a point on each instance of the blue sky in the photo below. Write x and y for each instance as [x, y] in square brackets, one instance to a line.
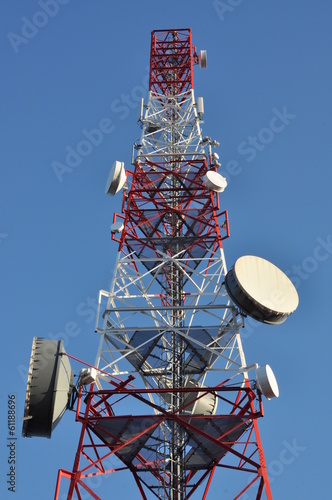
[80, 66]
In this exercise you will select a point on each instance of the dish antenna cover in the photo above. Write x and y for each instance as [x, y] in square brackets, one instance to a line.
[116, 178]
[48, 389]
[206, 404]
[261, 290]
[202, 58]
[214, 181]
[200, 402]
[117, 227]
[266, 382]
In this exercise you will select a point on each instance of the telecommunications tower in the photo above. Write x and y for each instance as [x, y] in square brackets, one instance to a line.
[170, 397]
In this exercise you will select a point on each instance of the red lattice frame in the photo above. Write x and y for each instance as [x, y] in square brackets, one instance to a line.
[171, 62]
[93, 452]
[147, 208]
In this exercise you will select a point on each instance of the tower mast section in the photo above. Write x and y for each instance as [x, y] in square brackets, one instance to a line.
[170, 398]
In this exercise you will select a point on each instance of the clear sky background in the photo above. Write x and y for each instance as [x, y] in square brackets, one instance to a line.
[84, 62]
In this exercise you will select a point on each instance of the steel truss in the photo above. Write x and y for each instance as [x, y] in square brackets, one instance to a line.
[167, 318]
[210, 442]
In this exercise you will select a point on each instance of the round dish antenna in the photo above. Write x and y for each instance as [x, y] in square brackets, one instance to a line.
[214, 181]
[117, 227]
[202, 59]
[202, 404]
[116, 178]
[48, 389]
[261, 290]
[266, 382]
[198, 402]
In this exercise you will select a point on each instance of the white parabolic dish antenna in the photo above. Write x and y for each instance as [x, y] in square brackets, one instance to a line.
[198, 402]
[205, 404]
[48, 389]
[261, 290]
[214, 181]
[202, 59]
[266, 382]
[116, 178]
[117, 226]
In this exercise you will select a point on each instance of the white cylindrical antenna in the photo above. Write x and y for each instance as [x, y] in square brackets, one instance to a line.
[140, 111]
[200, 106]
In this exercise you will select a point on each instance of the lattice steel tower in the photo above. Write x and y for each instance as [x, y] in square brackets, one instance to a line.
[169, 397]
